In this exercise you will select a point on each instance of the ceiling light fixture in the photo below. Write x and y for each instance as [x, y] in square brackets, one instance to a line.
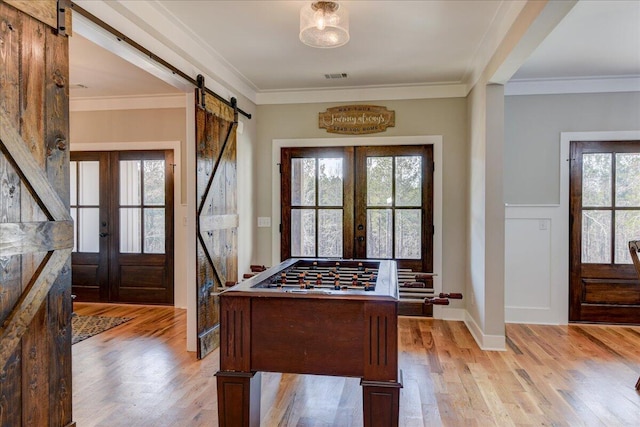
[324, 24]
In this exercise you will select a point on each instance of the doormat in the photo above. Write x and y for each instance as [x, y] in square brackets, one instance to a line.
[84, 327]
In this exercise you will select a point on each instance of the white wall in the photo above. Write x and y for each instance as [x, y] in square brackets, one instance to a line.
[536, 185]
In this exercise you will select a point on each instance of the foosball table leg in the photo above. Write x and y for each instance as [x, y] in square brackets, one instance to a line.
[638, 384]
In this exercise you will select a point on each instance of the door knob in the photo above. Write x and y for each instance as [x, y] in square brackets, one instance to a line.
[103, 234]
[361, 239]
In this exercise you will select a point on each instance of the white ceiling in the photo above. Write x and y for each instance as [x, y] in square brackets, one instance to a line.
[393, 43]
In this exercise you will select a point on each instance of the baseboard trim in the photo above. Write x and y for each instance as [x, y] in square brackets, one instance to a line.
[485, 342]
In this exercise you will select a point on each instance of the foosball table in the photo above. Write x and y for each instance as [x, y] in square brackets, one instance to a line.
[325, 317]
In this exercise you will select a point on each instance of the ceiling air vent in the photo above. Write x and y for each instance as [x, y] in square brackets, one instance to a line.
[335, 76]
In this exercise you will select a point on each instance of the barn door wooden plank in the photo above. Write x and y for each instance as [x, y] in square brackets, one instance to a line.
[217, 218]
[10, 190]
[28, 237]
[59, 303]
[45, 11]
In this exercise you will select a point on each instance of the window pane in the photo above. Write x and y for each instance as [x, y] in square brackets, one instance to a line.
[89, 181]
[330, 233]
[408, 234]
[130, 182]
[596, 179]
[73, 183]
[89, 224]
[129, 230]
[74, 216]
[303, 232]
[379, 233]
[408, 181]
[303, 182]
[330, 182]
[154, 182]
[596, 237]
[628, 180]
[154, 231]
[627, 228]
[379, 181]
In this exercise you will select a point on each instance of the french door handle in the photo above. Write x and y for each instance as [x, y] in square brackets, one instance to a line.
[360, 238]
[103, 234]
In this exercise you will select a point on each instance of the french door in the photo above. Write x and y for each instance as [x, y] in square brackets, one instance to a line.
[122, 206]
[359, 202]
[604, 217]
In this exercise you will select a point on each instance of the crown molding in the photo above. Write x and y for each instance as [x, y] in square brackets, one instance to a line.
[147, 102]
[357, 94]
[573, 85]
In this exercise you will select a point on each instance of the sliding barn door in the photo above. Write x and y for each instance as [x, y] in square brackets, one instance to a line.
[36, 230]
[217, 216]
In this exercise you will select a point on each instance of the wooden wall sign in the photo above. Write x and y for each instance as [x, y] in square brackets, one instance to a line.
[356, 119]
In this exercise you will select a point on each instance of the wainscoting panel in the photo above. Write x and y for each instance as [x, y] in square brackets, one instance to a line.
[535, 292]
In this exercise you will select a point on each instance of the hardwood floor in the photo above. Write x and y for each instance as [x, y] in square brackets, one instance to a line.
[139, 374]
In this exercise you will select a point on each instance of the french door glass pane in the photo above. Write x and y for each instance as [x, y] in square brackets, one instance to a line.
[88, 224]
[130, 230]
[330, 182]
[379, 233]
[89, 180]
[154, 231]
[627, 228]
[130, 175]
[596, 237]
[330, 233]
[379, 181]
[73, 182]
[154, 182]
[303, 182]
[628, 181]
[596, 180]
[408, 234]
[303, 232]
[408, 181]
[74, 216]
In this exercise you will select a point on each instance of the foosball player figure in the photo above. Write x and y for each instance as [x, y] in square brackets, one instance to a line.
[283, 279]
[442, 299]
[319, 280]
[301, 280]
[314, 265]
[308, 285]
[354, 281]
[368, 287]
[360, 266]
[336, 285]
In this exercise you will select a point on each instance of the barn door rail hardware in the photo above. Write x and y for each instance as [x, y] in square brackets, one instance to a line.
[123, 38]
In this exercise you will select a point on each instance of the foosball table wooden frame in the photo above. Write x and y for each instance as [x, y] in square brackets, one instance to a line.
[347, 332]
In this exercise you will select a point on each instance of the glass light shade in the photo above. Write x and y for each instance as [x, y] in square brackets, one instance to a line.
[324, 24]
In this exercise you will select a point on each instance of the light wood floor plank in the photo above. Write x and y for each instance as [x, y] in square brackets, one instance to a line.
[139, 374]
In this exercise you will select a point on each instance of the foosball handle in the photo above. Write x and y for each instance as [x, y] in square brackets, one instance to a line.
[454, 295]
[436, 301]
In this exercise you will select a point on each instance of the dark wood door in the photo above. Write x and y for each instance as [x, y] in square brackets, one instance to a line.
[36, 230]
[604, 217]
[89, 200]
[394, 205]
[122, 203]
[359, 202]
